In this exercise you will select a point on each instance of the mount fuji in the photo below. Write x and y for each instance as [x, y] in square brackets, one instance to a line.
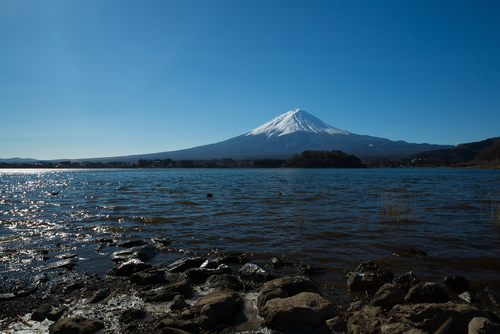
[291, 133]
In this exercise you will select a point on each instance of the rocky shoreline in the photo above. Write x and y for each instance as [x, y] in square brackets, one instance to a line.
[230, 294]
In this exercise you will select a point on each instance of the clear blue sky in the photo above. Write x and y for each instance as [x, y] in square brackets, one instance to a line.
[93, 78]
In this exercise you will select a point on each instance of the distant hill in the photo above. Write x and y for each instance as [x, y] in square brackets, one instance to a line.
[489, 154]
[18, 160]
[459, 153]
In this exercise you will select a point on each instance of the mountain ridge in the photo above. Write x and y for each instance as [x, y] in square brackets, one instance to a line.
[286, 135]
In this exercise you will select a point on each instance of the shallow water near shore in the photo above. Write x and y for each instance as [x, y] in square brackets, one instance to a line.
[329, 218]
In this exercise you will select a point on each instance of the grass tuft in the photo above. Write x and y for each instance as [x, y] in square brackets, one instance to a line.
[397, 209]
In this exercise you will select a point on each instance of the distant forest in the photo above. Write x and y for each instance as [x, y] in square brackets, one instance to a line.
[307, 159]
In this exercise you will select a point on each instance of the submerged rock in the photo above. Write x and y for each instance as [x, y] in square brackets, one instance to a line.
[410, 252]
[130, 267]
[372, 267]
[142, 253]
[68, 264]
[406, 281]
[184, 264]
[457, 283]
[254, 275]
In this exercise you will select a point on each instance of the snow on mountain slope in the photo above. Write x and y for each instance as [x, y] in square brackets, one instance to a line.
[294, 121]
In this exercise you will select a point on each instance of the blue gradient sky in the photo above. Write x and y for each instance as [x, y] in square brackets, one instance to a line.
[82, 79]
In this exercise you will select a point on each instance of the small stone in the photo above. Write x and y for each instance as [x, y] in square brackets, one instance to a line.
[76, 326]
[41, 313]
[131, 315]
[54, 315]
[178, 303]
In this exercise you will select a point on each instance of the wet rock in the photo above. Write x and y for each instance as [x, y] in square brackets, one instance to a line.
[184, 264]
[410, 252]
[131, 243]
[372, 267]
[427, 293]
[430, 317]
[457, 283]
[128, 268]
[68, 264]
[41, 313]
[132, 315]
[225, 281]
[388, 296]
[40, 278]
[76, 326]
[284, 288]
[178, 303]
[233, 258]
[73, 287]
[467, 297]
[142, 253]
[167, 293]
[100, 295]
[171, 325]
[148, 277]
[305, 308]
[26, 291]
[254, 275]
[482, 325]
[68, 256]
[209, 264]
[54, 315]
[361, 282]
[406, 281]
[217, 306]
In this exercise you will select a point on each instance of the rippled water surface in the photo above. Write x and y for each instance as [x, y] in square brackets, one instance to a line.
[330, 217]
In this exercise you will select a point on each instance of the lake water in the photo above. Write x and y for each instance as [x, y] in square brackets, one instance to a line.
[330, 218]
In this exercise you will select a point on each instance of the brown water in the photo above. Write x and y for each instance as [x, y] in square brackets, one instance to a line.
[327, 218]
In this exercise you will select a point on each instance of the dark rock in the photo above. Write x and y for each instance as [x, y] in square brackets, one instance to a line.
[361, 282]
[337, 325]
[277, 263]
[195, 276]
[130, 267]
[142, 253]
[406, 281]
[254, 275]
[178, 303]
[284, 288]
[40, 278]
[41, 313]
[482, 325]
[430, 317]
[73, 287]
[209, 264]
[388, 296]
[410, 252]
[7, 296]
[427, 293]
[26, 291]
[148, 277]
[170, 330]
[225, 281]
[99, 296]
[216, 307]
[305, 308]
[167, 293]
[172, 323]
[184, 264]
[54, 315]
[132, 315]
[372, 267]
[131, 243]
[76, 326]
[458, 284]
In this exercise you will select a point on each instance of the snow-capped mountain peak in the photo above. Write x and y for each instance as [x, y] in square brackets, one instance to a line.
[294, 121]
